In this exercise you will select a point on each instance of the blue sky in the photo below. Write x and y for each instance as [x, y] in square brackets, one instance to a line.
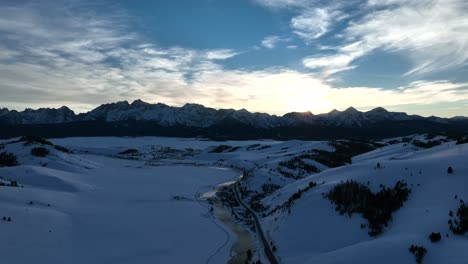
[272, 56]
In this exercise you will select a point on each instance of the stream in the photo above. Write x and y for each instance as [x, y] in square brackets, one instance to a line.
[244, 240]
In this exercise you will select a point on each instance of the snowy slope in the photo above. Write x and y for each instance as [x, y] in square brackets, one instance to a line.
[98, 206]
[315, 233]
[84, 208]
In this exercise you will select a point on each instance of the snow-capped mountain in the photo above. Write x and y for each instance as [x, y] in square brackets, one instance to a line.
[195, 115]
[191, 115]
[354, 118]
[39, 116]
[198, 120]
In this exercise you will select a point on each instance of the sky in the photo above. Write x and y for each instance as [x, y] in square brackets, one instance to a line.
[273, 56]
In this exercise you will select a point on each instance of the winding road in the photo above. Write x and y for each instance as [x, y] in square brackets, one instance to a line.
[266, 246]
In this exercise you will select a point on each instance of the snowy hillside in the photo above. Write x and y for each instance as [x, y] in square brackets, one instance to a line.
[322, 235]
[135, 200]
[64, 207]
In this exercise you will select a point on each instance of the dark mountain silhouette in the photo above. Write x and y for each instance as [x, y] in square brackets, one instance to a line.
[192, 120]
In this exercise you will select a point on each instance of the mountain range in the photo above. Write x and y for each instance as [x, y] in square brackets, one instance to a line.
[142, 118]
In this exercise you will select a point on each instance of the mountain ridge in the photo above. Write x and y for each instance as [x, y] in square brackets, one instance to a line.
[170, 115]
[194, 120]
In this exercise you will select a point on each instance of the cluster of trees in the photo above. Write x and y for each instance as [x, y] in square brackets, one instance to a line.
[257, 147]
[428, 144]
[256, 204]
[299, 192]
[11, 184]
[458, 222]
[39, 152]
[224, 148]
[31, 140]
[332, 159]
[352, 197]
[8, 159]
[450, 170]
[459, 136]
[435, 237]
[295, 196]
[63, 149]
[129, 152]
[344, 151]
[298, 164]
[419, 252]
[462, 140]
[269, 187]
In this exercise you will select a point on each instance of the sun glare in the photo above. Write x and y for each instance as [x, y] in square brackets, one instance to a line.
[307, 100]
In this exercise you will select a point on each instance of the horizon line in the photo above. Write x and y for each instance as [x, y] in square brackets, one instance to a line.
[364, 109]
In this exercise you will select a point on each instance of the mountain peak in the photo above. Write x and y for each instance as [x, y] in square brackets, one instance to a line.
[307, 113]
[197, 115]
[139, 102]
[192, 106]
[124, 102]
[65, 108]
[379, 110]
[351, 110]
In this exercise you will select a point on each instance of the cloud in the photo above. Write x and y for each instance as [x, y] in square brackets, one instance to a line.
[270, 42]
[433, 34]
[329, 64]
[315, 22]
[417, 93]
[64, 56]
[283, 90]
[313, 19]
[283, 3]
[220, 54]
[340, 60]
[81, 60]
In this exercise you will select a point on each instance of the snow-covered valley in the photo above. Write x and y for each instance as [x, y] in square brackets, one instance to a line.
[140, 200]
[95, 209]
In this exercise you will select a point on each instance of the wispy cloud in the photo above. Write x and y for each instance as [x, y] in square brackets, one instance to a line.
[340, 60]
[65, 56]
[61, 56]
[283, 3]
[313, 23]
[270, 42]
[432, 34]
[313, 19]
[221, 54]
[274, 89]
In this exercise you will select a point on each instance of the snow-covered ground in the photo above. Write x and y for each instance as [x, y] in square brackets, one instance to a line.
[315, 233]
[116, 144]
[81, 208]
[99, 206]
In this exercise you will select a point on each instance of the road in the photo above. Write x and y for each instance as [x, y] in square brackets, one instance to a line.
[266, 246]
